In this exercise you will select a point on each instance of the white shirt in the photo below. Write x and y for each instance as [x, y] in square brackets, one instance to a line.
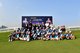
[47, 24]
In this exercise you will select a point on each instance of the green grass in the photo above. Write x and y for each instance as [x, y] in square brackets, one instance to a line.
[39, 46]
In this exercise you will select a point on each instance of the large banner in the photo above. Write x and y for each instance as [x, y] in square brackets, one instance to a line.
[36, 19]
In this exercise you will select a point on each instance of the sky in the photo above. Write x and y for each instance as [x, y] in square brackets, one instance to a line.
[64, 12]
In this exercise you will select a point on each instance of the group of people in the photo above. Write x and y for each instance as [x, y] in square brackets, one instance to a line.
[40, 32]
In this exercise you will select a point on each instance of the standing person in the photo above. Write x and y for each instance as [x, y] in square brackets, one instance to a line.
[35, 26]
[48, 22]
[29, 29]
[63, 28]
[43, 25]
[30, 26]
[39, 25]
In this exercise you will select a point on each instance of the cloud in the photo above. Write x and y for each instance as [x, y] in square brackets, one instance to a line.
[0, 4]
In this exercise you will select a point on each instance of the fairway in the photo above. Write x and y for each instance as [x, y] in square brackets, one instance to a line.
[39, 46]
